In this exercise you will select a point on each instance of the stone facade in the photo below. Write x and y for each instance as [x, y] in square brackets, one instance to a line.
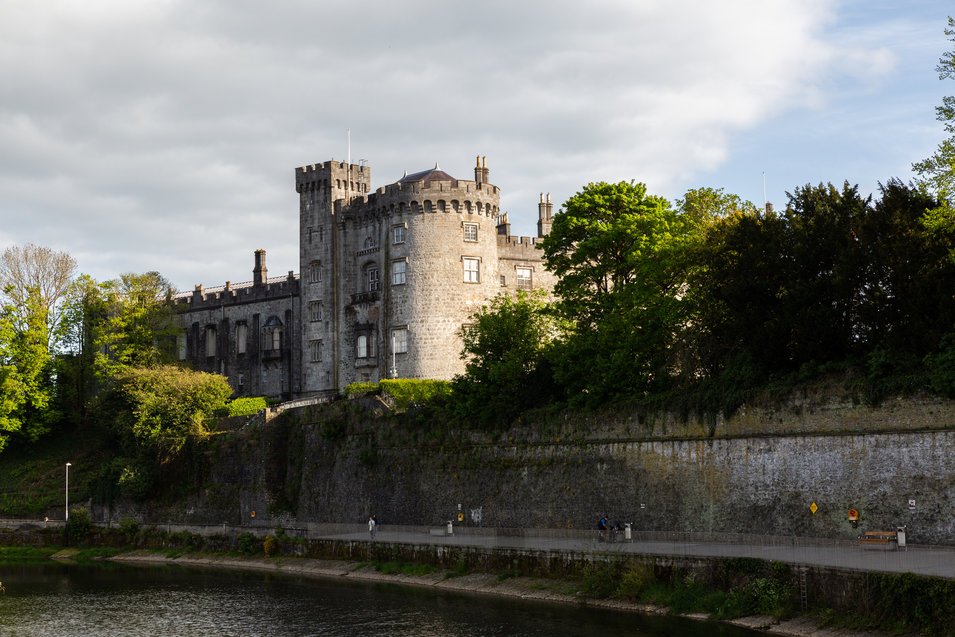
[388, 278]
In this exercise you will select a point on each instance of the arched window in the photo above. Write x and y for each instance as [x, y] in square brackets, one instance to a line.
[315, 272]
[362, 346]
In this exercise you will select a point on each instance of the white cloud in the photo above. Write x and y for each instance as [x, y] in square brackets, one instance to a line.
[163, 135]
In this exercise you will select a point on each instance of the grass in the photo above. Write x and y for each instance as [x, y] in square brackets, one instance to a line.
[404, 568]
[33, 477]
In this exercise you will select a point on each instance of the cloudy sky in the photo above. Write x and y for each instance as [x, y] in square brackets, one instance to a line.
[163, 134]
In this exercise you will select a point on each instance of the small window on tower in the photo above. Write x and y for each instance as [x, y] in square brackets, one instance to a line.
[472, 270]
[315, 351]
[399, 271]
[470, 232]
[399, 339]
[315, 272]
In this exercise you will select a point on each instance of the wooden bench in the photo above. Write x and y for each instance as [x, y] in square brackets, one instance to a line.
[879, 539]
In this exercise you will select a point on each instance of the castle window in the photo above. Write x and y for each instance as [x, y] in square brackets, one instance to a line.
[455, 206]
[315, 272]
[398, 272]
[272, 335]
[315, 311]
[315, 351]
[470, 232]
[503, 281]
[321, 234]
[370, 242]
[241, 338]
[399, 340]
[372, 278]
[362, 347]
[181, 346]
[524, 279]
[398, 235]
[210, 340]
[427, 205]
[472, 270]
[441, 206]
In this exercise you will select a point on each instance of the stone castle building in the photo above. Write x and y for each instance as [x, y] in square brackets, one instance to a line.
[388, 278]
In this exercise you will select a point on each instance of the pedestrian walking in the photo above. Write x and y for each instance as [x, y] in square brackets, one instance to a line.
[372, 526]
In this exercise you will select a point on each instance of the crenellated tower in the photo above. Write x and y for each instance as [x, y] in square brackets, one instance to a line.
[323, 190]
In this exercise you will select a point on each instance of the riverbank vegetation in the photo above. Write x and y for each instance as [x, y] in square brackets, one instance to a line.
[724, 589]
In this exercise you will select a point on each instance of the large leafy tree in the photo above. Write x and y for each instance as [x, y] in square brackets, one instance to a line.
[26, 383]
[937, 172]
[505, 352]
[136, 323]
[36, 279]
[618, 253]
[167, 407]
[33, 281]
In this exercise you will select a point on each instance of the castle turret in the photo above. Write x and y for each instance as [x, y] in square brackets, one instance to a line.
[545, 215]
[260, 274]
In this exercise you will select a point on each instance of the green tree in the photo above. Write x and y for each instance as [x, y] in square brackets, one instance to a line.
[162, 409]
[937, 172]
[36, 279]
[605, 238]
[506, 370]
[26, 379]
[135, 323]
[619, 255]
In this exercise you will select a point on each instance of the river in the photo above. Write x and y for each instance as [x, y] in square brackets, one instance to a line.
[107, 600]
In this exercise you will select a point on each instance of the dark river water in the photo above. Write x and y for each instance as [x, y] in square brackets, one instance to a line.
[112, 600]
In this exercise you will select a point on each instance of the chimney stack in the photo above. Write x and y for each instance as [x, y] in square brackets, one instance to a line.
[260, 274]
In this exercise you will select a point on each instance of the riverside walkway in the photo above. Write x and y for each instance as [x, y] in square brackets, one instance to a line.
[936, 561]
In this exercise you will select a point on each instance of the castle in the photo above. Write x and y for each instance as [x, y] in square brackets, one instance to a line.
[388, 279]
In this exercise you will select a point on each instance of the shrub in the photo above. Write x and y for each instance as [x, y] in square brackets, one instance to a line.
[635, 581]
[129, 527]
[244, 406]
[78, 527]
[354, 390]
[269, 545]
[248, 544]
[600, 581]
[411, 392]
[941, 366]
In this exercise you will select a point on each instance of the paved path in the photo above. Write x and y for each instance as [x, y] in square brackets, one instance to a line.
[937, 561]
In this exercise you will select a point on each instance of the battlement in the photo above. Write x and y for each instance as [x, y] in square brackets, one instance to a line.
[513, 240]
[238, 293]
[333, 173]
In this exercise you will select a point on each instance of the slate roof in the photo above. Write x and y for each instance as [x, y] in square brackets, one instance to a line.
[432, 174]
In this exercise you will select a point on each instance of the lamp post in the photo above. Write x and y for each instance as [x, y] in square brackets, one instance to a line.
[67, 492]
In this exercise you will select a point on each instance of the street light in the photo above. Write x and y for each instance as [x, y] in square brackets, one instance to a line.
[67, 517]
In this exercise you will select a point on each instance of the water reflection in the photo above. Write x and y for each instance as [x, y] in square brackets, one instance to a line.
[57, 600]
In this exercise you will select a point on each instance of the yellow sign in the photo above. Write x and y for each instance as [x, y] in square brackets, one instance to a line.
[460, 516]
[813, 508]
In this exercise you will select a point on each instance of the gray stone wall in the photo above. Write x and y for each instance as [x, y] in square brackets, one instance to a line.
[761, 485]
